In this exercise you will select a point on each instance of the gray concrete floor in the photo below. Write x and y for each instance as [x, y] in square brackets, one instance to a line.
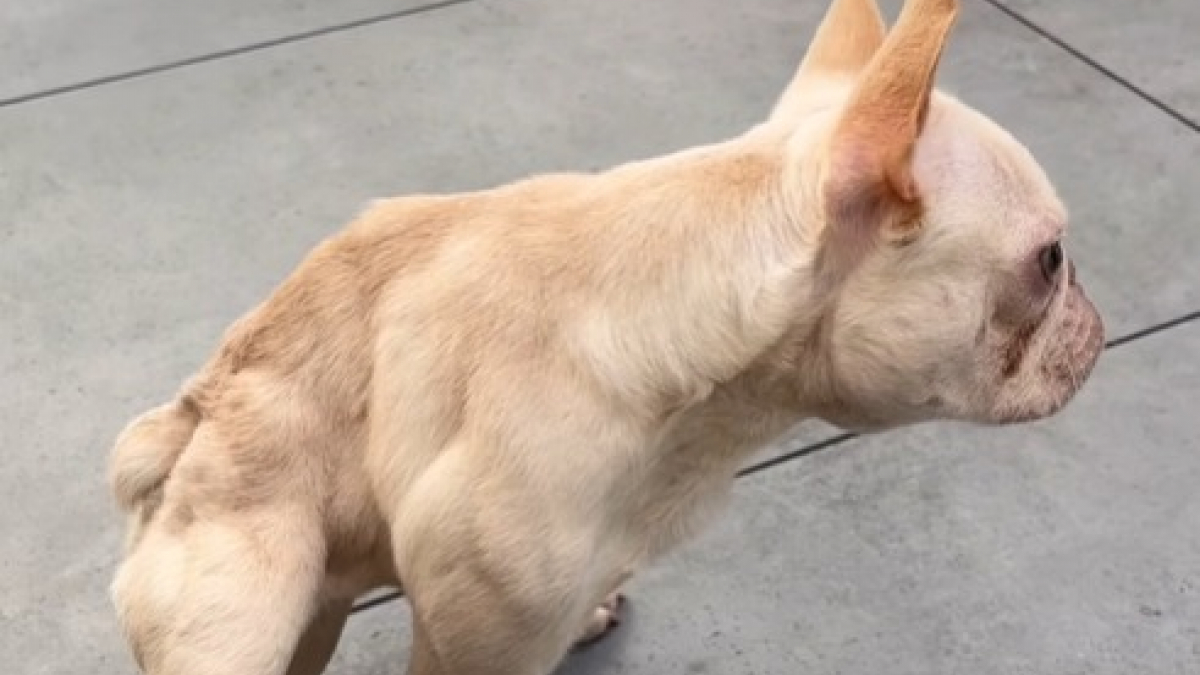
[162, 165]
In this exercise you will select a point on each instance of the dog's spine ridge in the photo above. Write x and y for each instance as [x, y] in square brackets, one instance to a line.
[147, 450]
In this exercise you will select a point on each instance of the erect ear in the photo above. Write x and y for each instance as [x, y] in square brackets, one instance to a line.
[868, 182]
[849, 35]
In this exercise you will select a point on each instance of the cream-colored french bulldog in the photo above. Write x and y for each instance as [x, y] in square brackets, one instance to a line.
[505, 402]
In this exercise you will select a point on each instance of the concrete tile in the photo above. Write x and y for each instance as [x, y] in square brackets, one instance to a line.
[375, 642]
[1155, 46]
[142, 217]
[53, 43]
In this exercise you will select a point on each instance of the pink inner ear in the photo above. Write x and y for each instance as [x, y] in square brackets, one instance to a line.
[855, 211]
[900, 178]
[865, 203]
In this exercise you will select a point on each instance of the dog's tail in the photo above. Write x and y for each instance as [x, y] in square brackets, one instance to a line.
[147, 450]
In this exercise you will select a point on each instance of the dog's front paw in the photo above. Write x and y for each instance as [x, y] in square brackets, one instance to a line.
[604, 619]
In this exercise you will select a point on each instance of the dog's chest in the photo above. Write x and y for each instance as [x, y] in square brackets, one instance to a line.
[692, 472]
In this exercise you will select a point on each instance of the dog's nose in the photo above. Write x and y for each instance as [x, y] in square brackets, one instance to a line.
[1071, 272]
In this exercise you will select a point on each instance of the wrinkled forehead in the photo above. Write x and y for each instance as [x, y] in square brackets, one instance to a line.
[976, 175]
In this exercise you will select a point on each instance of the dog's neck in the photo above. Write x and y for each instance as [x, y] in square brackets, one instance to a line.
[737, 285]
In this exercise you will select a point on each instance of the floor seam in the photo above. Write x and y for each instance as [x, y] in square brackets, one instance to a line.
[444, 4]
[228, 53]
[1096, 65]
[827, 443]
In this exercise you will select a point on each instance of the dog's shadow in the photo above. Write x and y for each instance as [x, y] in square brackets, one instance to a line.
[377, 645]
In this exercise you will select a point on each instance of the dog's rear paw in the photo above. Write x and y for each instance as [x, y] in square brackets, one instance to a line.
[605, 618]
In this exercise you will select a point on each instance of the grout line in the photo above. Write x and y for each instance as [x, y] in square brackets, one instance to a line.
[1151, 330]
[377, 601]
[845, 437]
[443, 4]
[1096, 65]
[797, 453]
[226, 53]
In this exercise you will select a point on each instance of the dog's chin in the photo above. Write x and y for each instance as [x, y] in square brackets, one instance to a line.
[870, 419]
[856, 422]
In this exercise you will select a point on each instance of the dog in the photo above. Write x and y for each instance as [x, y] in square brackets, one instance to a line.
[506, 402]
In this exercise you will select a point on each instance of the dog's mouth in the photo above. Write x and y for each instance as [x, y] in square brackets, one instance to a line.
[1072, 339]
[1083, 319]
[1045, 364]
[1082, 333]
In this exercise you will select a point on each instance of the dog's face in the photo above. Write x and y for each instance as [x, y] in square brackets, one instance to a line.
[976, 314]
[950, 292]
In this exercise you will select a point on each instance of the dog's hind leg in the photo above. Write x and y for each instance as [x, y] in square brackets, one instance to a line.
[221, 596]
[488, 644]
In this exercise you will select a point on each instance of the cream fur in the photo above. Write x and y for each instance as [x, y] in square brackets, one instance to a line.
[508, 401]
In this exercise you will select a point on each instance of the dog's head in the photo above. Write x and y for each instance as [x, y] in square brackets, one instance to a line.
[946, 289]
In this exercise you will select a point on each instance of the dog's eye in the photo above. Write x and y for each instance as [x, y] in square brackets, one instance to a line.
[1051, 260]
